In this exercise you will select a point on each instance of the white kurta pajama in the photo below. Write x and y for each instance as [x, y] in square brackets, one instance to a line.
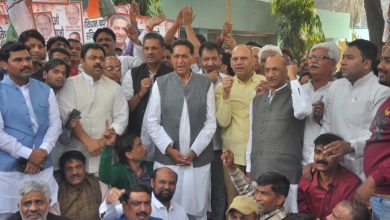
[193, 186]
[10, 182]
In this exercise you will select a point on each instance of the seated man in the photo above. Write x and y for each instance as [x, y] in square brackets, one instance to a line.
[34, 202]
[164, 185]
[270, 193]
[79, 194]
[136, 204]
[242, 207]
[330, 184]
[346, 210]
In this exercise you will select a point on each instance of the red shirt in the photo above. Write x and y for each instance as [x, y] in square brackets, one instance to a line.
[317, 201]
[377, 151]
[74, 72]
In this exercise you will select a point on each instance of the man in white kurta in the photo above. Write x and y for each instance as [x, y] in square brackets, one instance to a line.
[322, 63]
[193, 187]
[29, 127]
[101, 103]
[352, 103]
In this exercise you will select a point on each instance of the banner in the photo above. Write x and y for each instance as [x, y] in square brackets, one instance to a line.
[67, 19]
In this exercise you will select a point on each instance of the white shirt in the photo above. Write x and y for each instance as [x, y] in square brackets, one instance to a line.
[193, 186]
[10, 182]
[349, 111]
[301, 106]
[162, 139]
[175, 211]
[312, 128]
[120, 110]
[128, 62]
[127, 84]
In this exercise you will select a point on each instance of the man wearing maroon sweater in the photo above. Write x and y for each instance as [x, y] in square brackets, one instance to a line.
[377, 153]
[331, 182]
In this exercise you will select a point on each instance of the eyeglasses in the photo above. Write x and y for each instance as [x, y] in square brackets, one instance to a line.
[110, 68]
[318, 57]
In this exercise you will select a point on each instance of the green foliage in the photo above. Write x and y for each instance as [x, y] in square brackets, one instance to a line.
[147, 7]
[298, 26]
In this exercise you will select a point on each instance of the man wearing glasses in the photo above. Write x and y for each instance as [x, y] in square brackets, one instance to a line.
[113, 69]
[322, 62]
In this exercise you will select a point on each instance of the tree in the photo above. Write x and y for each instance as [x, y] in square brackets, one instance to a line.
[147, 7]
[299, 27]
[375, 21]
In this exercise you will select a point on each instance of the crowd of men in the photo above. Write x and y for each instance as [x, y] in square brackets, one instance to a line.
[192, 129]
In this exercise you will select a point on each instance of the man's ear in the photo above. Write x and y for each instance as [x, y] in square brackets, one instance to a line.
[4, 65]
[280, 200]
[44, 75]
[129, 155]
[367, 64]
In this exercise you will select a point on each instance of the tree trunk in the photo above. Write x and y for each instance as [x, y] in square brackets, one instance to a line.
[375, 22]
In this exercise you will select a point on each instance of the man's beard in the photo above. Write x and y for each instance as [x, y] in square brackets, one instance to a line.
[44, 216]
[163, 197]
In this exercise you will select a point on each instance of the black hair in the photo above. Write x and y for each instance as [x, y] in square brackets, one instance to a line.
[106, 30]
[68, 156]
[74, 40]
[168, 47]
[156, 170]
[201, 38]
[32, 33]
[327, 138]
[124, 144]
[9, 47]
[279, 183]
[287, 51]
[52, 40]
[183, 42]
[367, 49]
[55, 62]
[135, 188]
[299, 216]
[89, 46]
[58, 49]
[226, 60]
[253, 43]
[209, 46]
[154, 35]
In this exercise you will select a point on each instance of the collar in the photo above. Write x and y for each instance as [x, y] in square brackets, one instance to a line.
[276, 90]
[159, 205]
[333, 183]
[251, 79]
[189, 78]
[9, 81]
[363, 79]
[281, 213]
[89, 78]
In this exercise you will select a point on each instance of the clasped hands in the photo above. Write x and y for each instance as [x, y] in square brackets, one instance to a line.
[180, 159]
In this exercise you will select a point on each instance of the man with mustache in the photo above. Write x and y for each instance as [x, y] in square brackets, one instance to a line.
[100, 101]
[232, 99]
[163, 183]
[29, 127]
[322, 62]
[331, 182]
[277, 125]
[34, 202]
[138, 80]
[79, 194]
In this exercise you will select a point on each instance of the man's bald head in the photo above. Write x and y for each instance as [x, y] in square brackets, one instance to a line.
[242, 62]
